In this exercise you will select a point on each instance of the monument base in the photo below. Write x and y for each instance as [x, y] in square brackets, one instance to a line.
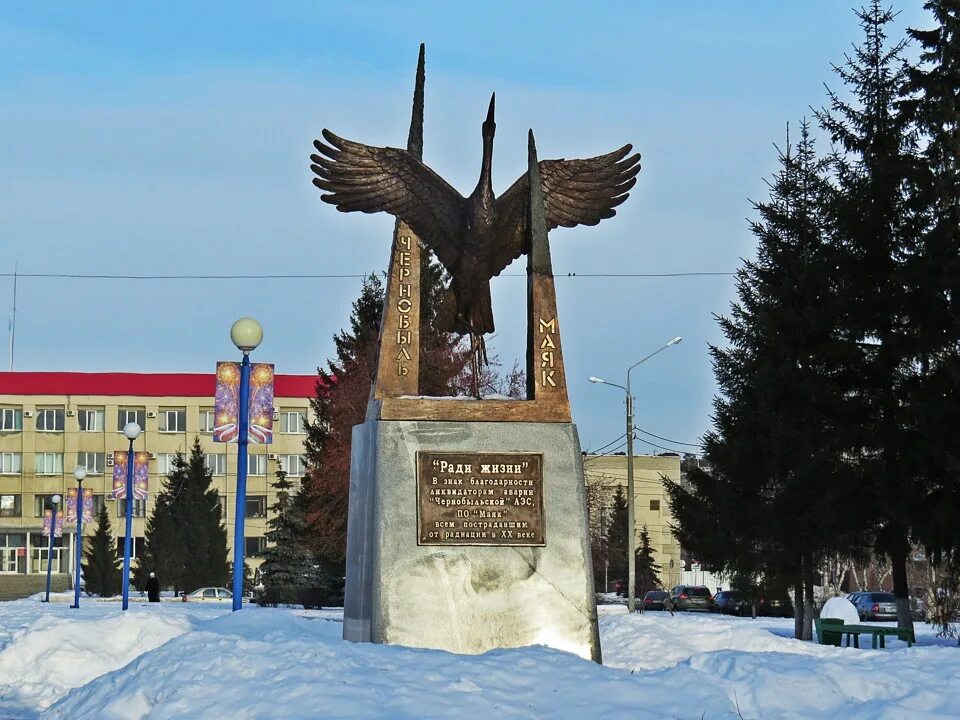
[466, 598]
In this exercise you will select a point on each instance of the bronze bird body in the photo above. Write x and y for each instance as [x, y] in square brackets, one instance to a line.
[474, 238]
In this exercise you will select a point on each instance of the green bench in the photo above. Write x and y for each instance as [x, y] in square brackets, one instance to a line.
[831, 631]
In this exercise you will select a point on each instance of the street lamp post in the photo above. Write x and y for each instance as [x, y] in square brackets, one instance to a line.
[132, 432]
[246, 333]
[631, 522]
[79, 474]
[54, 501]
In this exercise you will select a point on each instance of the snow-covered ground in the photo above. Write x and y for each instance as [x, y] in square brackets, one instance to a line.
[176, 660]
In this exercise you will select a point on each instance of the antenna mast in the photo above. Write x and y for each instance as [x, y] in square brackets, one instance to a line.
[13, 317]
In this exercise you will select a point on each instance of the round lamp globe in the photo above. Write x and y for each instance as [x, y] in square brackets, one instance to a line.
[80, 473]
[246, 334]
[131, 430]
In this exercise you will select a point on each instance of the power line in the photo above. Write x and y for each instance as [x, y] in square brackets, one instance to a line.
[323, 276]
[604, 447]
[659, 437]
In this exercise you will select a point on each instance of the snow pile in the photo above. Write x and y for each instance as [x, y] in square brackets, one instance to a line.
[840, 609]
[178, 660]
[44, 659]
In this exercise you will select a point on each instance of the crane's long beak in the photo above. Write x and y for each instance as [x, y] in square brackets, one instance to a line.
[493, 100]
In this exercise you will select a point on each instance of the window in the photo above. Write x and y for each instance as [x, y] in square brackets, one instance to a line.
[224, 594]
[210, 593]
[256, 464]
[256, 506]
[216, 463]
[43, 502]
[9, 506]
[253, 546]
[654, 504]
[11, 419]
[139, 508]
[92, 461]
[291, 421]
[293, 465]
[173, 421]
[90, 420]
[10, 463]
[136, 546]
[206, 421]
[50, 420]
[48, 463]
[98, 502]
[129, 415]
[165, 463]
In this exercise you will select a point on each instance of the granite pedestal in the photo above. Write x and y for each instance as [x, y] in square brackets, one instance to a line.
[466, 599]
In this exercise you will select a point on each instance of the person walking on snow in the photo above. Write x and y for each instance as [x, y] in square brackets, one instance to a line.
[153, 588]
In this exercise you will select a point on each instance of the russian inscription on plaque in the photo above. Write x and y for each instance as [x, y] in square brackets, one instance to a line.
[480, 498]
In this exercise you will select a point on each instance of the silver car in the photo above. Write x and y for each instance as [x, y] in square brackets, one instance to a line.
[876, 606]
[210, 594]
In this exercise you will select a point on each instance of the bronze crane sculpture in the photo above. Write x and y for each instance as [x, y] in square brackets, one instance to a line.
[476, 237]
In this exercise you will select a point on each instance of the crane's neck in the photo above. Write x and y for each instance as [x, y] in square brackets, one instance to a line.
[484, 191]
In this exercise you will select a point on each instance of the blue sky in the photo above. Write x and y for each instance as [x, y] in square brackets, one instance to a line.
[173, 138]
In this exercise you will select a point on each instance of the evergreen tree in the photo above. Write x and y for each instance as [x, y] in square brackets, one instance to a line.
[343, 390]
[933, 267]
[163, 553]
[768, 514]
[877, 224]
[616, 539]
[288, 567]
[185, 542]
[647, 569]
[101, 569]
[198, 516]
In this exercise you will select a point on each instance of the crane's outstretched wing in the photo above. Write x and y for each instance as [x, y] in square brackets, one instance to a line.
[575, 192]
[371, 179]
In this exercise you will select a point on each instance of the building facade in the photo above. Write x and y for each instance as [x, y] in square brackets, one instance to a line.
[52, 422]
[604, 473]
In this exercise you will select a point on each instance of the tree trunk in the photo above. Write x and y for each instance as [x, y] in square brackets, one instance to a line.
[807, 599]
[798, 607]
[901, 592]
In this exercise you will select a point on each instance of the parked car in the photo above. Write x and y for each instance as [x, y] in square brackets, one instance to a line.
[852, 597]
[655, 600]
[876, 606]
[691, 597]
[775, 605]
[728, 602]
[209, 594]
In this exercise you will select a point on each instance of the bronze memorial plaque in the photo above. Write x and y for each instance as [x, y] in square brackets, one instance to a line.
[479, 498]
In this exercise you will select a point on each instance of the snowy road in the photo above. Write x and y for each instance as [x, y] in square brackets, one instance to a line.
[175, 660]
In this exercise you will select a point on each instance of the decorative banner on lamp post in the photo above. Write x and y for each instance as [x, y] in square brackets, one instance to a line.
[226, 404]
[47, 518]
[72, 505]
[141, 475]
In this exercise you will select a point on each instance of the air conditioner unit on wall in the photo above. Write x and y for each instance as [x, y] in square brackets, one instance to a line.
[71, 413]
[153, 456]
[151, 414]
[110, 462]
[109, 456]
[28, 413]
[276, 415]
[110, 498]
[272, 456]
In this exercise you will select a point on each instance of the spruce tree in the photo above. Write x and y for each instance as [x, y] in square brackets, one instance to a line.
[616, 537]
[288, 566]
[877, 222]
[197, 517]
[647, 569]
[101, 567]
[933, 267]
[767, 509]
[185, 542]
[163, 552]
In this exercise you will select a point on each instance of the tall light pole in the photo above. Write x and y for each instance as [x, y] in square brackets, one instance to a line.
[79, 474]
[631, 522]
[54, 501]
[132, 432]
[246, 334]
